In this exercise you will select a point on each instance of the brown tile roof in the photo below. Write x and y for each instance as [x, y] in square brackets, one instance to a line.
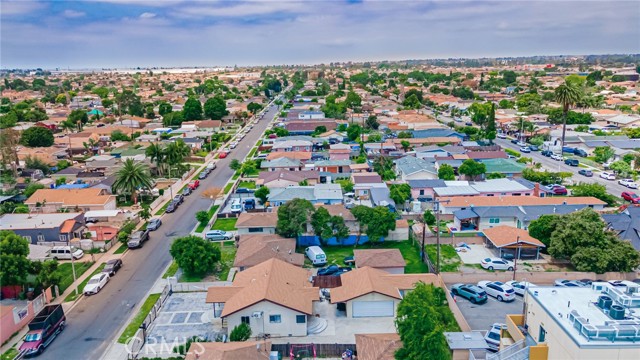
[307, 125]
[379, 258]
[244, 350]
[338, 210]
[366, 178]
[67, 226]
[359, 166]
[70, 197]
[297, 155]
[462, 201]
[258, 248]
[368, 280]
[275, 281]
[503, 235]
[377, 346]
[295, 176]
[487, 155]
[267, 219]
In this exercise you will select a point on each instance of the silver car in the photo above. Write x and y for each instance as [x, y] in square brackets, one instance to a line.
[217, 235]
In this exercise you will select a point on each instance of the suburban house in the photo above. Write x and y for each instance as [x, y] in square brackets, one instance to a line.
[285, 178]
[389, 260]
[626, 224]
[235, 350]
[43, 228]
[318, 194]
[273, 297]
[257, 223]
[339, 152]
[491, 187]
[303, 156]
[510, 242]
[282, 164]
[254, 249]
[52, 200]
[292, 145]
[364, 182]
[341, 211]
[412, 168]
[306, 127]
[377, 346]
[422, 190]
[310, 115]
[369, 292]
[333, 166]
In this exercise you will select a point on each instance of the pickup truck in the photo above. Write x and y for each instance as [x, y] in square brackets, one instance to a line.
[43, 328]
[137, 238]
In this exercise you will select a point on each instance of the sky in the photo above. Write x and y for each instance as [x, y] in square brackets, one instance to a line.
[172, 33]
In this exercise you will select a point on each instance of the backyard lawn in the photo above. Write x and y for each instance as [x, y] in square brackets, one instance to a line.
[336, 254]
[66, 274]
[225, 224]
[73, 295]
[247, 184]
[449, 259]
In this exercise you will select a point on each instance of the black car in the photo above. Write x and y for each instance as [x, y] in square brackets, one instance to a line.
[172, 207]
[249, 204]
[585, 172]
[514, 141]
[329, 270]
[179, 199]
[112, 266]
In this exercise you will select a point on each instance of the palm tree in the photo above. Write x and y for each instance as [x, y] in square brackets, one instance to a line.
[175, 152]
[567, 94]
[131, 177]
[156, 153]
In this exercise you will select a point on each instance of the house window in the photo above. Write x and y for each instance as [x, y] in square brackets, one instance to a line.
[494, 220]
[275, 319]
[63, 238]
[490, 195]
[245, 320]
[28, 238]
[421, 192]
[542, 334]
[301, 319]
[255, 230]
[41, 238]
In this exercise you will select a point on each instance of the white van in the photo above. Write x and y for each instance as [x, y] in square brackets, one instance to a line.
[236, 206]
[608, 175]
[65, 253]
[316, 255]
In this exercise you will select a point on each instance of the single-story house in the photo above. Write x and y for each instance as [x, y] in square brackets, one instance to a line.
[333, 166]
[285, 178]
[363, 182]
[318, 194]
[273, 297]
[303, 156]
[51, 200]
[512, 242]
[282, 164]
[236, 350]
[389, 260]
[369, 292]
[412, 168]
[42, 228]
[292, 146]
[257, 223]
[254, 249]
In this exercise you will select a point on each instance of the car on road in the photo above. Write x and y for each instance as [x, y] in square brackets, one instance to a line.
[501, 136]
[572, 162]
[233, 145]
[580, 152]
[607, 175]
[137, 238]
[500, 291]
[585, 172]
[223, 154]
[525, 149]
[521, 144]
[178, 199]
[568, 283]
[556, 157]
[557, 189]
[171, 207]
[470, 292]
[514, 141]
[497, 264]
[194, 184]
[520, 287]
[217, 235]
[492, 337]
[546, 153]
[203, 175]
[210, 167]
[628, 183]
[154, 224]
[112, 266]
[187, 191]
[534, 148]
[95, 284]
[631, 197]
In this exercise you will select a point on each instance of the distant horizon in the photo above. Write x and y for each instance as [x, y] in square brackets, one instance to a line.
[98, 34]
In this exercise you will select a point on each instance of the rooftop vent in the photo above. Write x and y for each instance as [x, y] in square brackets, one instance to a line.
[616, 312]
[605, 302]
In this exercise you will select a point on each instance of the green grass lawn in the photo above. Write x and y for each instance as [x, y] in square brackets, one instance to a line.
[449, 259]
[236, 176]
[228, 187]
[247, 184]
[225, 224]
[139, 319]
[73, 295]
[252, 152]
[171, 271]
[66, 273]
[336, 254]
[227, 256]
[9, 354]
[210, 213]
[123, 247]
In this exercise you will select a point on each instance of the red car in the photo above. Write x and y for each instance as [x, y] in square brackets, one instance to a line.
[631, 197]
[223, 155]
[194, 184]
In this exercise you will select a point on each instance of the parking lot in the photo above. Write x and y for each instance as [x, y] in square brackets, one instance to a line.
[482, 316]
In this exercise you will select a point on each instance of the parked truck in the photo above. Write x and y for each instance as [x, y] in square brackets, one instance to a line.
[137, 238]
[43, 329]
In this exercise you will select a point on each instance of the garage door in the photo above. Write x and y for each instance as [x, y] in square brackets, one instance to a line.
[372, 308]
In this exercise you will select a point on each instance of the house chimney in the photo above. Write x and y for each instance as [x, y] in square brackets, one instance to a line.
[536, 190]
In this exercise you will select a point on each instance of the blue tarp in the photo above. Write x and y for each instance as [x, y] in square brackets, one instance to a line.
[73, 186]
[311, 240]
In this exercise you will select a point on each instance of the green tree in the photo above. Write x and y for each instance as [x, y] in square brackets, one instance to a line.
[412, 102]
[13, 257]
[490, 130]
[320, 221]
[145, 213]
[46, 274]
[346, 185]
[192, 109]
[78, 117]
[603, 153]
[241, 332]
[164, 108]
[248, 167]
[254, 107]
[372, 122]
[156, 154]
[215, 108]
[472, 169]
[61, 99]
[406, 145]
[423, 317]
[543, 227]
[567, 94]
[8, 120]
[621, 167]
[32, 188]
[130, 177]
[293, 217]
[235, 164]
[175, 119]
[32, 162]
[595, 190]
[37, 136]
[400, 193]
[429, 218]
[382, 221]
[354, 131]
[262, 193]
[118, 135]
[353, 100]
[202, 216]
[509, 76]
[446, 172]
[195, 255]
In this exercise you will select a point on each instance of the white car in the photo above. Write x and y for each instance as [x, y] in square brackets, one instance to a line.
[501, 136]
[95, 284]
[493, 336]
[628, 183]
[497, 264]
[608, 175]
[520, 287]
[556, 157]
[500, 291]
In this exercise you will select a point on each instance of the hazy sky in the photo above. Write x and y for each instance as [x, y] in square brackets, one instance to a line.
[131, 33]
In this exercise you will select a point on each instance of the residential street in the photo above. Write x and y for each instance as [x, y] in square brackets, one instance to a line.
[95, 321]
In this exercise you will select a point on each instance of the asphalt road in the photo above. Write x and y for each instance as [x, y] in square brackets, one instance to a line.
[93, 324]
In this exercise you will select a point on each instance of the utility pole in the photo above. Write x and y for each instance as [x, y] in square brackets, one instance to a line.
[437, 210]
[515, 258]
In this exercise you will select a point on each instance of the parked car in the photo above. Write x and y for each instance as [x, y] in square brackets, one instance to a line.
[500, 291]
[497, 264]
[236, 206]
[154, 224]
[179, 199]
[572, 162]
[501, 135]
[568, 283]
[585, 172]
[546, 153]
[194, 184]
[628, 183]
[223, 155]
[493, 336]
[525, 149]
[520, 286]
[329, 270]
[587, 282]
[631, 197]
[557, 189]
[608, 175]
[187, 191]
[43, 329]
[137, 239]
[65, 253]
[203, 175]
[95, 284]
[580, 152]
[568, 149]
[171, 207]
[210, 166]
[250, 204]
[316, 255]
[217, 235]
[514, 141]
[470, 292]
[556, 157]
[244, 191]
[534, 148]
[112, 266]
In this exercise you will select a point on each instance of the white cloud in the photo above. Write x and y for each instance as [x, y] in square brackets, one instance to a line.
[19, 7]
[73, 14]
[147, 15]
